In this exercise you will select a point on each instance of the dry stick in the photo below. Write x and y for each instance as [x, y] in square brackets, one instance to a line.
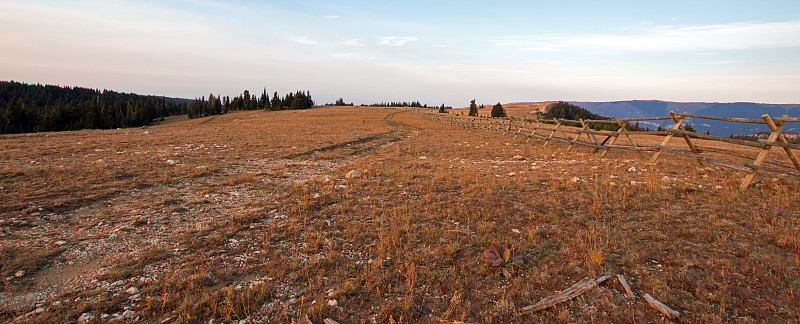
[664, 309]
[566, 295]
[625, 285]
[776, 131]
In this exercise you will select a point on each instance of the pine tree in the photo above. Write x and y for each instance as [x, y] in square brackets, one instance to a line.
[264, 102]
[473, 108]
[498, 111]
[442, 110]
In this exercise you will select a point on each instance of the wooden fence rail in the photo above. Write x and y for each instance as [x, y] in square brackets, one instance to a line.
[580, 133]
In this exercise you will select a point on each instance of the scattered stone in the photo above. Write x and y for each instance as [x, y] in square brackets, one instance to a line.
[423, 157]
[316, 196]
[39, 310]
[124, 228]
[352, 174]
[518, 157]
[511, 174]
[632, 169]
[333, 303]
[128, 314]
[171, 162]
[132, 291]
[148, 133]
[60, 243]
[56, 303]
[20, 274]
[85, 318]
[576, 179]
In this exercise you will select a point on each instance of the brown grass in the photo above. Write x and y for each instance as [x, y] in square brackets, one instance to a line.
[255, 219]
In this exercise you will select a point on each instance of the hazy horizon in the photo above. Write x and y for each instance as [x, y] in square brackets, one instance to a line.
[442, 52]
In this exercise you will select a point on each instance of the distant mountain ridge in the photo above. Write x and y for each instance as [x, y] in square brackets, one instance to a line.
[656, 108]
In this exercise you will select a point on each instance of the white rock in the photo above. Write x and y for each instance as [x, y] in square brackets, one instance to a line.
[128, 314]
[132, 291]
[39, 310]
[518, 157]
[423, 157]
[171, 162]
[576, 179]
[147, 133]
[352, 174]
[20, 274]
[85, 318]
[632, 169]
[333, 303]
[60, 243]
[316, 196]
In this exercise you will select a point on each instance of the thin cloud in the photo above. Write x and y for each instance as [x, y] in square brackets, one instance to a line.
[439, 46]
[736, 36]
[304, 40]
[352, 56]
[353, 42]
[332, 17]
[396, 40]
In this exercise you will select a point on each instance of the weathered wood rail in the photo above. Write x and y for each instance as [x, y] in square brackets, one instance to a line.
[578, 132]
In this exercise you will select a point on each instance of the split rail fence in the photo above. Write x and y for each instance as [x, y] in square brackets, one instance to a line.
[578, 132]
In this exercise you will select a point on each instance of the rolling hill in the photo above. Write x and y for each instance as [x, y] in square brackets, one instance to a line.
[654, 108]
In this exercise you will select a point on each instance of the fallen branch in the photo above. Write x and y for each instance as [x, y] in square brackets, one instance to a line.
[625, 285]
[566, 295]
[664, 309]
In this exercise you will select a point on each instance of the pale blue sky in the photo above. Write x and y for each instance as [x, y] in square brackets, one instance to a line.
[433, 51]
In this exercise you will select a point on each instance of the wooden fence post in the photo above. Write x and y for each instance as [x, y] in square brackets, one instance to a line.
[678, 123]
[558, 124]
[776, 133]
[538, 123]
[664, 143]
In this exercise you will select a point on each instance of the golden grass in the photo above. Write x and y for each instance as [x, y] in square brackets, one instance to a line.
[271, 230]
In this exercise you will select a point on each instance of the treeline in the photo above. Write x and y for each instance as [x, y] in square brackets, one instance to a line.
[792, 138]
[415, 104]
[566, 110]
[28, 108]
[217, 105]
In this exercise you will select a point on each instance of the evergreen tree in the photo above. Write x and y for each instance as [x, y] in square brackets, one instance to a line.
[498, 111]
[442, 110]
[473, 108]
[689, 128]
[264, 102]
[276, 101]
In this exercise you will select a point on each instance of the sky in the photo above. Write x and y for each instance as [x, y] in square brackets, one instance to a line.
[437, 52]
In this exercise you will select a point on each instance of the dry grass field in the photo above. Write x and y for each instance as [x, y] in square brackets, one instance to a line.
[251, 217]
